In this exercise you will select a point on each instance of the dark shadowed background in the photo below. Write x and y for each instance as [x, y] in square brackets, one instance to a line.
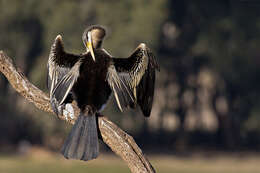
[207, 97]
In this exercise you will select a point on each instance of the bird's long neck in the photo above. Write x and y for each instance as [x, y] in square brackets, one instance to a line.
[97, 44]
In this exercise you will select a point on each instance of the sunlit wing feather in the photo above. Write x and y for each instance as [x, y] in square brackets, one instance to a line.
[138, 72]
[122, 91]
[64, 86]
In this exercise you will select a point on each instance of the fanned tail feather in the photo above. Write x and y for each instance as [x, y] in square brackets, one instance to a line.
[82, 142]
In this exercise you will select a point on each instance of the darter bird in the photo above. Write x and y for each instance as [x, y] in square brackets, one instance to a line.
[89, 79]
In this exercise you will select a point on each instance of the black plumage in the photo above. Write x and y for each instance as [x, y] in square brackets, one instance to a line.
[89, 79]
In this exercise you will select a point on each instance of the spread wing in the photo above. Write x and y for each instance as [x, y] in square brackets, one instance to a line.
[63, 71]
[122, 91]
[138, 73]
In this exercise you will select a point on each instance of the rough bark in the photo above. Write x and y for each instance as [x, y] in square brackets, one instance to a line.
[118, 140]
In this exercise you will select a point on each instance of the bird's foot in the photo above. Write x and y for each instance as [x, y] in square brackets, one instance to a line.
[68, 111]
[63, 111]
[57, 109]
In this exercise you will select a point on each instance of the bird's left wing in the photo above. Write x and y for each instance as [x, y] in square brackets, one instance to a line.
[63, 71]
[138, 73]
[121, 89]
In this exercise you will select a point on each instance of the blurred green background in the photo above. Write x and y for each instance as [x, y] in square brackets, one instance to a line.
[207, 99]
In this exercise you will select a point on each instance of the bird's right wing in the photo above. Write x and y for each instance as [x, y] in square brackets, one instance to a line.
[63, 71]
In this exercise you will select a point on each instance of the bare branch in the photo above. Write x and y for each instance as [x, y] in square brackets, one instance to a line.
[118, 140]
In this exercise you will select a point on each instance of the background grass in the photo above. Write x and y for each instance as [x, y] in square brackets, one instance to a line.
[41, 161]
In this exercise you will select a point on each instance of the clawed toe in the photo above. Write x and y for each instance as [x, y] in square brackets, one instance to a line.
[68, 112]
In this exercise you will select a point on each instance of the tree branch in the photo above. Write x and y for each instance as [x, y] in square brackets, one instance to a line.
[118, 140]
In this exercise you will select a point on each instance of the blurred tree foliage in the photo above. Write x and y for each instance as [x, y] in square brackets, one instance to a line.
[207, 91]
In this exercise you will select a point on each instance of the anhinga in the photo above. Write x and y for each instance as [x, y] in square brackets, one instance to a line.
[89, 79]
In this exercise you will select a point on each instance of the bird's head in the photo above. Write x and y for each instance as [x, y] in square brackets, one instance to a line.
[92, 38]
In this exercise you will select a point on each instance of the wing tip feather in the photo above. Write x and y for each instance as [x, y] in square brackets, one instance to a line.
[142, 45]
[58, 37]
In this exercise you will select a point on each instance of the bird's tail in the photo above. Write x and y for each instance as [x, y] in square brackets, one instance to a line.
[82, 142]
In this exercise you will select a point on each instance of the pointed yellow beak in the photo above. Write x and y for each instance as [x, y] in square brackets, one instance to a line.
[90, 47]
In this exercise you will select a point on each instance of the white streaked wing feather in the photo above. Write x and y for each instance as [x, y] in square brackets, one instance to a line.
[64, 86]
